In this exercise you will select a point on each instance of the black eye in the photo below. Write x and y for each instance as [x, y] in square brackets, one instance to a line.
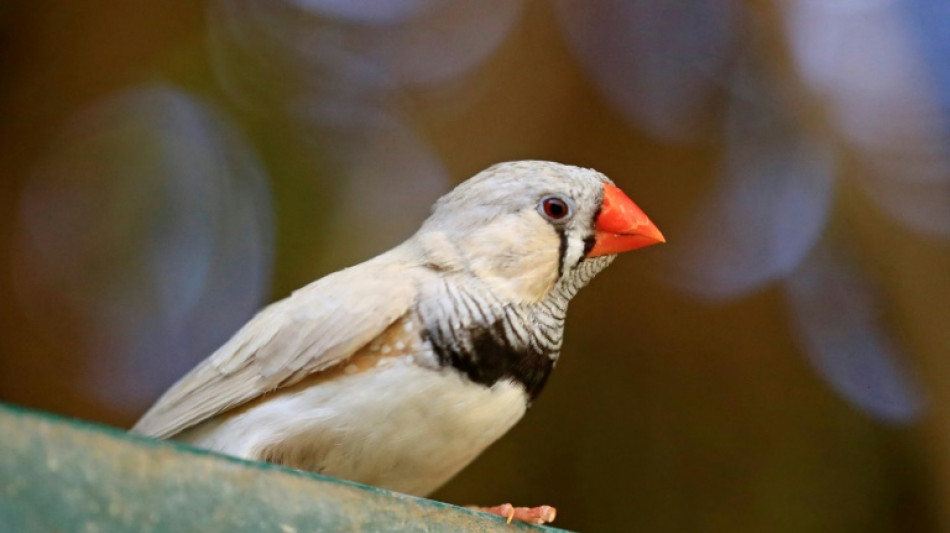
[555, 208]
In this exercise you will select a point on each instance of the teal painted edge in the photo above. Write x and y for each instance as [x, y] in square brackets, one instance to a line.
[30, 440]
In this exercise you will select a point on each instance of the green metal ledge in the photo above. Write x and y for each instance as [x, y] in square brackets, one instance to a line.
[59, 475]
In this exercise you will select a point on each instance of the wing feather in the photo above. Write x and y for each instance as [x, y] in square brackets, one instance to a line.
[317, 327]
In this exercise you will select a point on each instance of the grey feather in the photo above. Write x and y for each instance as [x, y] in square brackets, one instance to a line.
[318, 326]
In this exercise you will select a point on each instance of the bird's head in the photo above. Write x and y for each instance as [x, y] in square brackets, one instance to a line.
[528, 227]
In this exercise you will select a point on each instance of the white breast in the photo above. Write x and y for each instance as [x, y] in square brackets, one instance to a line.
[398, 426]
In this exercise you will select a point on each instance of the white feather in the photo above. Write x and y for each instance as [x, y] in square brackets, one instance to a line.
[398, 426]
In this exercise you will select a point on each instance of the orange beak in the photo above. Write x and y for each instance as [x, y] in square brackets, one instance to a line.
[622, 226]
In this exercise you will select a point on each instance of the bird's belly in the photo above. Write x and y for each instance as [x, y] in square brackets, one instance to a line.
[402, 427]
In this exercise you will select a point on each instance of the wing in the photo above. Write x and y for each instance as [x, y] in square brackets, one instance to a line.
[316, 327]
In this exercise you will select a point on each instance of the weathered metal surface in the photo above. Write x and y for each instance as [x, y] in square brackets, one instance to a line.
[59, 475]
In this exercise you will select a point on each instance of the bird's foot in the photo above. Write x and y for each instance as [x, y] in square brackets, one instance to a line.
[532, 515]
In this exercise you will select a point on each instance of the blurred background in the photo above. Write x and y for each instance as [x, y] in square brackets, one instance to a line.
[783, 364]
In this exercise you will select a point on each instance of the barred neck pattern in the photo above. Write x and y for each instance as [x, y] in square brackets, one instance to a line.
[488, 340]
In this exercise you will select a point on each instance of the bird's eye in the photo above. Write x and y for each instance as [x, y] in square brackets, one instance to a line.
[555, 208]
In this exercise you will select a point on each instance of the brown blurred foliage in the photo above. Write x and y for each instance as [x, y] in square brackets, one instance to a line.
[666, 413]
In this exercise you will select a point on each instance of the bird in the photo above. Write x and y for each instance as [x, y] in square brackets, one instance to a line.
[397, 372]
